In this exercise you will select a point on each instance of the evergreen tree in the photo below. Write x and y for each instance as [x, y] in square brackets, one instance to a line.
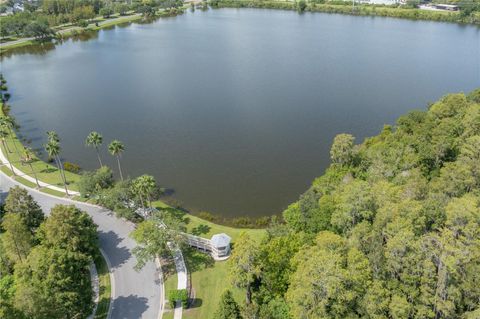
[228, 307]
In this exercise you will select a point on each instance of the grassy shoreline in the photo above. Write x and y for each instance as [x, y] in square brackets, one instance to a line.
[72, 30]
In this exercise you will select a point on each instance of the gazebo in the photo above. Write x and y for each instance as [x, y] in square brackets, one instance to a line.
[220, 246]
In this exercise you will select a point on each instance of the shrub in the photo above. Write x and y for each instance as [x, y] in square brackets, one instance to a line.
[71, 167]
[83, 23]
[179, 294]
[106, 12]
[92, 183]
[207, 216]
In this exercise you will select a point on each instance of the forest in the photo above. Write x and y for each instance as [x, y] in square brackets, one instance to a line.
[391, 230]
[44, 261]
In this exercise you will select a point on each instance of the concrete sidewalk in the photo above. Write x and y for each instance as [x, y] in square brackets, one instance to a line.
[18, 172]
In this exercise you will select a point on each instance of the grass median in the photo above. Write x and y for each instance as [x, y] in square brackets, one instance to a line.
[105, 288]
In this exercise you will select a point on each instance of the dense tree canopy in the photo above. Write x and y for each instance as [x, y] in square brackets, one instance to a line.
[391, 230]
[21, 203]
[44, 263]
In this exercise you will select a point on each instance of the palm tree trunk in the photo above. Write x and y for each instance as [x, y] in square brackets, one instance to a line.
[149, 201]
[34, 175]
[141, 200]
[99, 159]
[12, 137]
[5, 145]
[119, 167]
[8, 159]
[59, 166]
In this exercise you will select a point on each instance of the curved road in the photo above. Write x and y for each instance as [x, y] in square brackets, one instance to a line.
[134, 294]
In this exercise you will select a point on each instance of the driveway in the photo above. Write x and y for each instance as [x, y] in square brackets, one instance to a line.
[134, 294]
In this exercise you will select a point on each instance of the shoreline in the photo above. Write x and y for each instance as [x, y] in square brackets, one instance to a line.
[364, 10]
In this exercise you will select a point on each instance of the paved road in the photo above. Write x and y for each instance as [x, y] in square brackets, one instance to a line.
[135, 294]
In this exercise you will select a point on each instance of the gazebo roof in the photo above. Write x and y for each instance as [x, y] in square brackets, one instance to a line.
[220, 240]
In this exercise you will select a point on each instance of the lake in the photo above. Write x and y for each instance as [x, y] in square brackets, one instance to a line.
[235, 109]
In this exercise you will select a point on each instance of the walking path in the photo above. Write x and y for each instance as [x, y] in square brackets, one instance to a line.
[18, 172]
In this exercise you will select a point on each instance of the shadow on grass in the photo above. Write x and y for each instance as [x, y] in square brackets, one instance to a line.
[195, 303]
[197, 260]
[48, 170]
[200, 230]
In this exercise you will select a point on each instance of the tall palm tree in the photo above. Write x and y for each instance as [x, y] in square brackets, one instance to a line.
[116, 148]
[3, 136]
[144, 186]
[29, 158]
[95, 140]
[53, 136]
[10, 122]
[53, 150]
[5, 127]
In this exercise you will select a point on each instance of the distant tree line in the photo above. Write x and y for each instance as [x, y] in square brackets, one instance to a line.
[469, 9]
[39, 18]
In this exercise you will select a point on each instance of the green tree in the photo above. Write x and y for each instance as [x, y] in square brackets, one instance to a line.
[106, 12]
[7, 292]
[228, 307]
[93, 183]
[154, 236]
[17, 239]
[95, 140]
[70, 229]
[152, 239]
[243, 266]
[53, 150]
[144, 187]
[39, 29]
[116, 148]
[342, 151]
[330, 280]
[21, 203]
[54, 283]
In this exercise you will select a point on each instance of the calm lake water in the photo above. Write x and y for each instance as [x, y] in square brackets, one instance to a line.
[235, 110]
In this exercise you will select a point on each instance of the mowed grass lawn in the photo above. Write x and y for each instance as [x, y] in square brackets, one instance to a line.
[203, 228]
[209, 279]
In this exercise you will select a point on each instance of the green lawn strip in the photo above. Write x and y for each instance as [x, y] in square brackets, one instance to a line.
[25, 182]
[206, 229]
[209, 279]
[52, 192]
[104, 287]
[6, 170]
[124, 19]
[8, 46]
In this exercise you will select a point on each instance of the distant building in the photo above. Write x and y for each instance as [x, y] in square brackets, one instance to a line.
[447, 7]
[18, 7]
[439, 7]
